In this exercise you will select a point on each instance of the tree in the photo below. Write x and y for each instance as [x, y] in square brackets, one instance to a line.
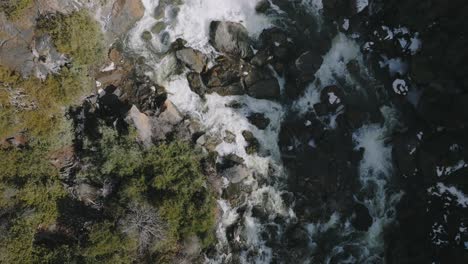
[144, 224]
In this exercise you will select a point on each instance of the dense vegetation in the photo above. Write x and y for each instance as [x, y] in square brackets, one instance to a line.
[15, 8]
[76, 35]
[156, 197]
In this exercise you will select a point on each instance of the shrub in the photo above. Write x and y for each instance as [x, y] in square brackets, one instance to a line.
[14, 8]
[107, 245]
[77, 35]
[166, 176]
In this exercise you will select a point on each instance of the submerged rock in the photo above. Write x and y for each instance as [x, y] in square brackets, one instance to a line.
[259, 120]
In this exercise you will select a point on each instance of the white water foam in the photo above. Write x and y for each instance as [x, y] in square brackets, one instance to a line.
[334, 63]
[192, 25]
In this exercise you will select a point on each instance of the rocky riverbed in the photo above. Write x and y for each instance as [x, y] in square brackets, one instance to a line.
[330, 131]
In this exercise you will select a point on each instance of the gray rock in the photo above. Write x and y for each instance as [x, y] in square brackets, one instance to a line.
[230, 137]
[260, 83]
[307, 65]
[196, 83]
[262, 6]
[230, 38]
[252, 143]
[193, 59]
[236, 174]
[171, 114]
[142, 123]
[124, 14]
[362, 219]
[259, 120]
[265, 89]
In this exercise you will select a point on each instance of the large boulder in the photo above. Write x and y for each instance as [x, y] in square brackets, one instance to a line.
[193, 59]
[260, 83]
[142, 123]
[230, 38]
[224, 78]
[307, 65]
[124, 14]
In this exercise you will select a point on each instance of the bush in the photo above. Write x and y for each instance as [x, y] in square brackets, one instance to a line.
[167, 177]
[14, 8]
[49, 99]
[77, 35]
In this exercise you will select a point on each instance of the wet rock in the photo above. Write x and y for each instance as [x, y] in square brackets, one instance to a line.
[252, 143]
[443, 109]
[332, 95]
[259, 120]
[141, 91]
[224, 78]
[208, 142]
[124, 14]
[362, 219]
[261, 58]
[158, 27]
[193, 59]
[307, 65]
[230, 38]
[262, 6]
[229, 161]
[196, 83]
[235, 104]
[405, 147]
[237, 173]
[260, 83]
[229, 137]
[297, 237]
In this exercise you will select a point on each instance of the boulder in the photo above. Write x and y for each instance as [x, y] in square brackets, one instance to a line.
[260, 83]
[196, 83]
[193, 59]
[236, 174]
[142, 123]
[262, 6]
[252, 143]
[124, 14]
[230, 38]
[307, 65]
[362, 219]
[259, 120]
[171, 114]
[224, 78]
[332, 97]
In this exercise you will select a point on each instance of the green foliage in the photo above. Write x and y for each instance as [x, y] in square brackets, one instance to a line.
[14, 8]
[76, 34]
[180, 187]
[167, 176]
[108, 245]
[48, 97]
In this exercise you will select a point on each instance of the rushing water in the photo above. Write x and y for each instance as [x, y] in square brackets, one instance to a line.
[267, 180]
